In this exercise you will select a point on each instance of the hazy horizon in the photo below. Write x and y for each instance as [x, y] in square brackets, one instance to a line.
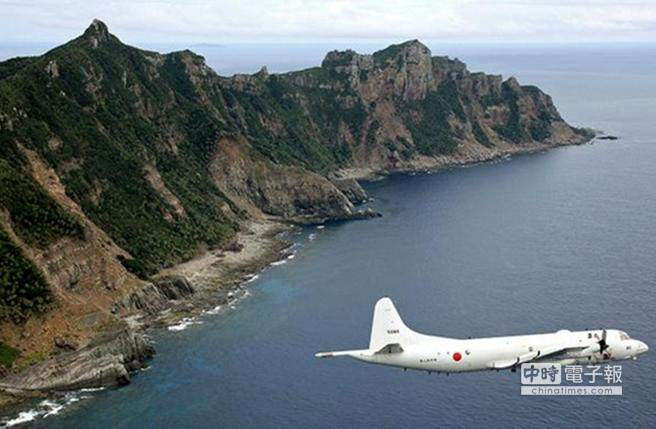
[198, 21]
[279, 57]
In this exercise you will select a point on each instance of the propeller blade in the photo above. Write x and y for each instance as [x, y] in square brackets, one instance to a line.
[602, 343]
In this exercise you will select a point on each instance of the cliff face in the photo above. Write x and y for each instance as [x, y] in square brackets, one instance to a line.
[117, 162]
[400, 109]
[289, 192]
[107, 361]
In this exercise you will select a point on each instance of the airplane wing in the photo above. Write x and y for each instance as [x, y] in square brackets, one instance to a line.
[532, 356]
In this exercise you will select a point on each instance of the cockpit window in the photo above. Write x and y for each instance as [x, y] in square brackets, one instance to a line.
[623, 336]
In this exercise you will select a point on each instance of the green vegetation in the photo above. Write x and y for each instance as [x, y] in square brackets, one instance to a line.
[13, 65]
[382, 57]
[480, 135]
[22, 287]
[8, 355]
[296, 145]
[36, 218]
[342, 153]
[371, 133]
[108, 137]
[297, 142]
[585, 132]
[407, 150]
[432, 133]
[541, 128]
[31, 359]
[112, 112]
[511, 130]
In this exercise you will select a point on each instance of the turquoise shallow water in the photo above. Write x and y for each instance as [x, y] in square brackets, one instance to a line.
[563, 239]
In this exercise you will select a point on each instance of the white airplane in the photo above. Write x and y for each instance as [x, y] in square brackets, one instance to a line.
[394, 344]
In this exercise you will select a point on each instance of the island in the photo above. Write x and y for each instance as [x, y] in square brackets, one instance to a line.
[126, 173]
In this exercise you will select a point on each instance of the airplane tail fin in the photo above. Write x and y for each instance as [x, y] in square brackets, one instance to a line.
[387, 328]
[388, 334]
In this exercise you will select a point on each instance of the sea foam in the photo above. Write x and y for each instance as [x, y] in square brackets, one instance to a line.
[184, 324]
[47, 408]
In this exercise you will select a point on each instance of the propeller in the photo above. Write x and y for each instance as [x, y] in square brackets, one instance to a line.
[602, 343]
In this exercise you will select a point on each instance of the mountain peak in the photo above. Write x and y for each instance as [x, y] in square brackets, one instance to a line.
[411, 49]
[97, 33]
[413, 43]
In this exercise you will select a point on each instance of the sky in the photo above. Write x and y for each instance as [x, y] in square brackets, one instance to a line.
[258, 21]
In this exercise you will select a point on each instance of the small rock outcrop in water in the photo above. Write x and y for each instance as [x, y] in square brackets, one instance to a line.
[136, 160]
[367, 213]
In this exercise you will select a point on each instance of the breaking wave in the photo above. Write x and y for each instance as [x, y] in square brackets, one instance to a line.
[184, 324]
[215, 310]
[48, 407]
[253, 278]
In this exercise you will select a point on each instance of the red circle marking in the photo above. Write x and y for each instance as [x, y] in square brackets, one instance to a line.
[457, 356]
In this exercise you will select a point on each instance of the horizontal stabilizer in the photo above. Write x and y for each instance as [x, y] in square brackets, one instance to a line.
[351, 353]
[388, 332]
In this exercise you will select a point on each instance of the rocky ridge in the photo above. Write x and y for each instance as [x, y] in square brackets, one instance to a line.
[123, 162]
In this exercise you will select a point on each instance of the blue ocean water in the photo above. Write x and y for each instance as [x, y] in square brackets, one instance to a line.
[557, 240]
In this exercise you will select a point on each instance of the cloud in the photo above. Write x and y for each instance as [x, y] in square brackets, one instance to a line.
[302, 20]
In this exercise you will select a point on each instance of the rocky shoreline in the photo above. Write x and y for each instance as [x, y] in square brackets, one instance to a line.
[209, 165]
[203, 284]
[434, 164]
[214, 279]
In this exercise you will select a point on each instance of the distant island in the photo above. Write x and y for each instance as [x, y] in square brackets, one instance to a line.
[123, 172]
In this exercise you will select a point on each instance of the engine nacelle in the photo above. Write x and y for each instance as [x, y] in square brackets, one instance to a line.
[589, 351]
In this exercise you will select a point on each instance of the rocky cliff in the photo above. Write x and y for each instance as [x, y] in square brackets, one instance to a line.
[106, 361]
[116, 162]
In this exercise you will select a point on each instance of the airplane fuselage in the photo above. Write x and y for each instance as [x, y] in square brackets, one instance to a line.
[440, 354]
[392, 343]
